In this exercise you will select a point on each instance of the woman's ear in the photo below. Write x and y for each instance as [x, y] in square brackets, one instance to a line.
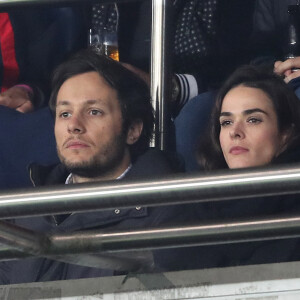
[286, 138]
[134, 131]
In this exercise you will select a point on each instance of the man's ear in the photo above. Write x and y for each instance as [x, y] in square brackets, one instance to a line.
[134, 131]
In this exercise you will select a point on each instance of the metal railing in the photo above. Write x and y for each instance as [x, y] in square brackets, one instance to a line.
[20, 242]
[236, 184]
[161, 68]
[226, 185]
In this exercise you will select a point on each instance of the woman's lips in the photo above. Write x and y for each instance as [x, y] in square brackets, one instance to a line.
[238, 150]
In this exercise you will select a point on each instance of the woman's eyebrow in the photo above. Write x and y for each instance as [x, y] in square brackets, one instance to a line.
[254, 110]
[245, 112]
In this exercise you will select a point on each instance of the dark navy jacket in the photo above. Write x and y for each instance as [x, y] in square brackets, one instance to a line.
[256, 252]
[153, 164]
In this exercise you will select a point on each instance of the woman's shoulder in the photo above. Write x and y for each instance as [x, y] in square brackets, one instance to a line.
[291, 155]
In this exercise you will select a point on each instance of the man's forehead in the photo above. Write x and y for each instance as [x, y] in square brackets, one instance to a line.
[86, 89]
[82, 101]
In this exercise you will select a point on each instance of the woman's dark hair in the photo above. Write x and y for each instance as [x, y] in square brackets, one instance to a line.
[285, 102]
[132, 92]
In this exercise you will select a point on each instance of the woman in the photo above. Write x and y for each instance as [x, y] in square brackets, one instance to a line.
[255, 122]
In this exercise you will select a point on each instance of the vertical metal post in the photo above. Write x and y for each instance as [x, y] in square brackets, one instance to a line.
[160, 67]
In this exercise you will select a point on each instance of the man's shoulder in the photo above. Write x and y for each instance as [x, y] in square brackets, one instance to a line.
[47, 175]
[155, 163]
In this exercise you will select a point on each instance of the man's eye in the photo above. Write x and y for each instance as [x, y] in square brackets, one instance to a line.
[254, 120]
[64, 114]
[225, 123]
[95, 112]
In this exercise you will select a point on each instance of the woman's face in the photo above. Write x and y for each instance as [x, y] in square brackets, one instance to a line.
[249, 134]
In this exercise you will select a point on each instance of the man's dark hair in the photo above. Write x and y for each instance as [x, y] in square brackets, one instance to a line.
[132, 92]
[285, 102]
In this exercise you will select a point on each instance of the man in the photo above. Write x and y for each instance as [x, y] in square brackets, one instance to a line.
[103, 124]
[101, 110]
[103, 121]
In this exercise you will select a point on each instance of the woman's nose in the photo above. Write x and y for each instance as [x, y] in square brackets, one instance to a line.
[237, 131]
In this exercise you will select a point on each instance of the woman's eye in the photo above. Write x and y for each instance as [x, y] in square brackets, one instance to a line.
[95, 112]
[254, 120]
[225, 123]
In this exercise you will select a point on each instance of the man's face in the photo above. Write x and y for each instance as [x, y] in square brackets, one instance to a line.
[88, 128]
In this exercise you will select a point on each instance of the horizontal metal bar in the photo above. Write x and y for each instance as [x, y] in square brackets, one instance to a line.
[8, 4]
[22, 239]
[205, 234]
[224, 185]
[26, 243]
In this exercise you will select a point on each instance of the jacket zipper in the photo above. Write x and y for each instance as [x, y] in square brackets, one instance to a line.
[31, 179]
[55, 221]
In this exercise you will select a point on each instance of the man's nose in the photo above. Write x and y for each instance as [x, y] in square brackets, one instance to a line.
[76, 124]
[237, 131]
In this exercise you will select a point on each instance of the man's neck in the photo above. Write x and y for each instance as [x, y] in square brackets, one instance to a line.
[109, 176]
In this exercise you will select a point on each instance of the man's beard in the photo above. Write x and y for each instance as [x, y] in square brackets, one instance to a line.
[104, 162]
